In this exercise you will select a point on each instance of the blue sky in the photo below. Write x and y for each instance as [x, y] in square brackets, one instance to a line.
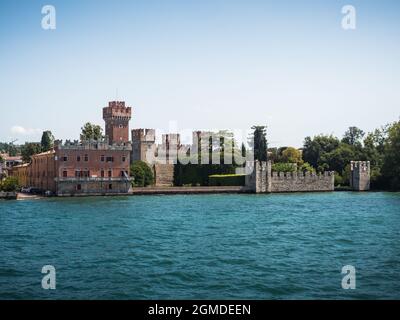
[202, 64]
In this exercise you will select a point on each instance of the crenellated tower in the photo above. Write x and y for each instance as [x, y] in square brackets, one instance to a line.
[360, 175]
[143, 145]
[116, 117]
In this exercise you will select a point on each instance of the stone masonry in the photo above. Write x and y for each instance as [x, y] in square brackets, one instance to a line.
[360, 175]
[262, 180]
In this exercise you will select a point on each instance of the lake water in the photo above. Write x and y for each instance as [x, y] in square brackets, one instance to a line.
[279, 246]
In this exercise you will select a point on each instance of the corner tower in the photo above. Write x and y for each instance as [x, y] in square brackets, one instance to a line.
[143, 145]
[116, 117]
[360, 175]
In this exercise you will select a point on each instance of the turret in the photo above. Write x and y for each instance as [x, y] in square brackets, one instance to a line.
[117, 117]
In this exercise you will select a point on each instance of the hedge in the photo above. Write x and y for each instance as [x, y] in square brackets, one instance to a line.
[227, 180]
[198, 174]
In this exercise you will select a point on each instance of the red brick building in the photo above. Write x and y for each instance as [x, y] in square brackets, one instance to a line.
[86, 167]
[117, 117]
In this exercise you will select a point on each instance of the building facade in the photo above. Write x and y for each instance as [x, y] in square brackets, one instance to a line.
[117, 117]
[92, 168]
[85, 167]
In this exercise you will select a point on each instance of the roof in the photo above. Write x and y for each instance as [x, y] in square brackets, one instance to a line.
[43, 153]
[22, 165]
[8, 158]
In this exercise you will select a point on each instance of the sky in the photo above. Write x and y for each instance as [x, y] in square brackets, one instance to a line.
[189, 65]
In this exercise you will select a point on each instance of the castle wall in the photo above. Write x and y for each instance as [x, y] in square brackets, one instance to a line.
[164, 174]
[92, 186]
[262, 180]
[301, 182]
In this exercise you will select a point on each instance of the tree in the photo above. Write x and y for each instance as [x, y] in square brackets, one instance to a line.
[29, 149]
[91, 132]
[47, 142]
[9, 148]
[283, 167]
[316, 147]
[391, 161]
[9, 184]
[339, 158]
[306, 167]
[243, 150]
[353, 136]
[292, 155]
[259, 143]
[142, 174]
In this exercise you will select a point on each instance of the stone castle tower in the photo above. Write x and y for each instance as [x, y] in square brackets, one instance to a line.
[360, 175]
[116, 117]
[143, 145]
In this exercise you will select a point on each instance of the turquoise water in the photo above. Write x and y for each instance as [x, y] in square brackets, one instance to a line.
[286, 246]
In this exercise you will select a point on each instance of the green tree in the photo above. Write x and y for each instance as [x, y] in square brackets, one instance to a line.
[9, 184]
[29, 149]
[292, 155]
[283, 167]
[391, 160]
[339, 158]
[243, 150]
[47, 142]
[9, 148]
[259, 143]
[315, 148]
[142, 174]
[306, 167]
[353, 136]
[91, 132]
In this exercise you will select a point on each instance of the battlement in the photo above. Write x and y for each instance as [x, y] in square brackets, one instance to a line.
[301, 175]
[116, 104]
[261, 179]
[91, 145]
[144, 135]
[360, 165]
[117, 110]
[360, 175]
[171, 138]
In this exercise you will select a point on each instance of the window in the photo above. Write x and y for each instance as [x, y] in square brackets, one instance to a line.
[86, 158]
[65, 174]
[110, 186]
[64, 158]
[102, 158]
[78, 187]
[123, 158]
[78, 158]
[102, 173]
[109, 173]
[110, 159]
[78, 174]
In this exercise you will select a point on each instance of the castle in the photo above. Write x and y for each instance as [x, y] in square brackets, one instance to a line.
[102, 167]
